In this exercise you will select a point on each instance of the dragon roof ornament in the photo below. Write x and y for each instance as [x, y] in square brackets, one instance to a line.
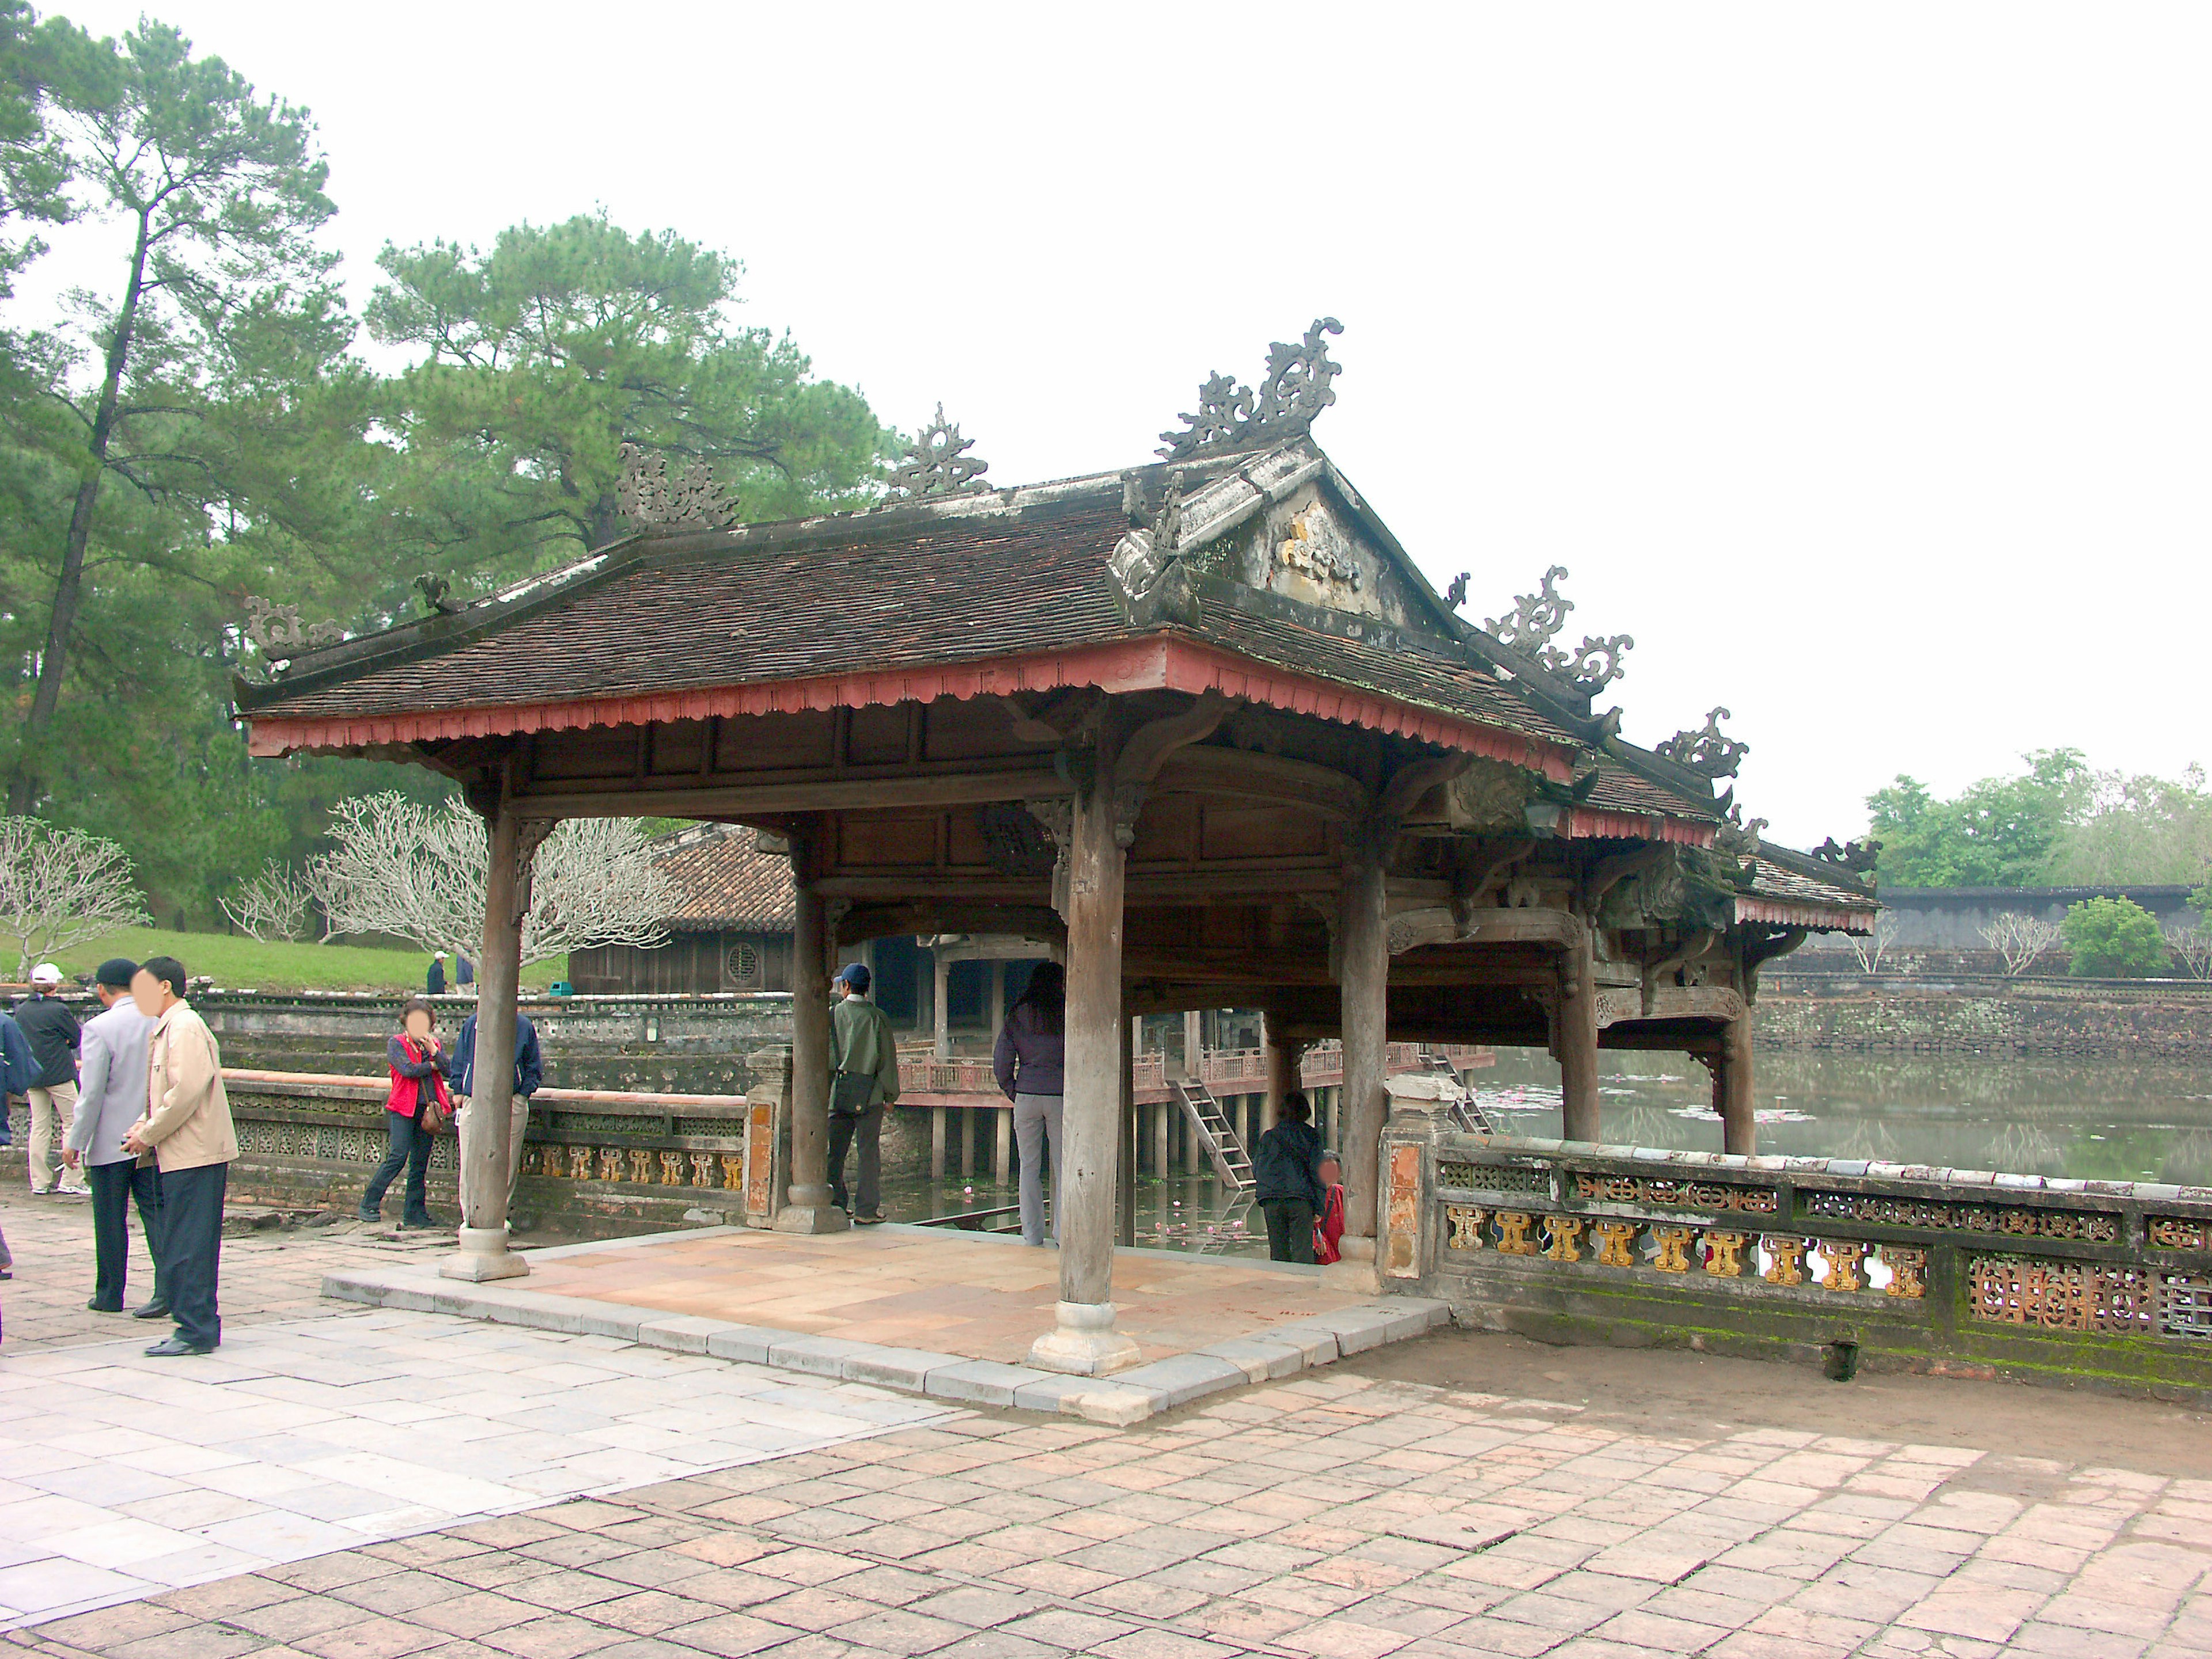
[647, 496]
[1706, 751]
[1859, 856]
[1537, 617]
[937, 464]
[1294, 391]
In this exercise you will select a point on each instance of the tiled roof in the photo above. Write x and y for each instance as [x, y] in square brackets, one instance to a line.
[946, 590]
[1779, 881]
[724, 881]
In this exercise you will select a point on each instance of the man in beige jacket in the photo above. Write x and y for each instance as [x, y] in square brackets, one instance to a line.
[188, 1133]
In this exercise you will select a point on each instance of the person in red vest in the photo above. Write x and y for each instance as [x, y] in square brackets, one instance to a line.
[418, 1106]
[1329, 1223]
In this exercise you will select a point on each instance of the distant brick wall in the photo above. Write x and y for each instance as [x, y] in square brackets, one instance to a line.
[2088, 1020]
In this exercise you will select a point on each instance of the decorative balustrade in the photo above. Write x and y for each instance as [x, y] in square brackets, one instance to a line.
[303, 1137]
[1917, 1265]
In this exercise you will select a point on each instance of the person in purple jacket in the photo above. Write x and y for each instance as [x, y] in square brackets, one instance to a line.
[1028, 1061]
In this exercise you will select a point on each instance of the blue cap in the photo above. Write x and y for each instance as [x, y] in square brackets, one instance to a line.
[855, 973]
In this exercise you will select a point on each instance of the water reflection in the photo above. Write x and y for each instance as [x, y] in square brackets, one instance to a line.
[1185, 1212]
[2105, 1120]
[2108, 1120]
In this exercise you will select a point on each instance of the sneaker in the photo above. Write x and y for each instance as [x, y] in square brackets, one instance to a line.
[875, 1221]
[75, 1192]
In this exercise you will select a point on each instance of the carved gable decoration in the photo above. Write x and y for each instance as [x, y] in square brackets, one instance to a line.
[1315, 547]
[1294, 389]
[1489, 796]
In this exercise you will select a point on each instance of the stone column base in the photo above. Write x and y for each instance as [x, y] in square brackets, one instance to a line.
[1354, 1268]
[1085, 1342]
[484, 1255]
[809, 1210]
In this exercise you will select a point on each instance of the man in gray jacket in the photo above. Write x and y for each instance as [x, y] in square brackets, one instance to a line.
[111, 1097]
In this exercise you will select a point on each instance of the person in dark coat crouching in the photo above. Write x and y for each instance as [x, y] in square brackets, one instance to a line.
[1286, 1182]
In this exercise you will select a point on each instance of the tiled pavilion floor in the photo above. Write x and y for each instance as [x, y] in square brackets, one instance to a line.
[981, 1297]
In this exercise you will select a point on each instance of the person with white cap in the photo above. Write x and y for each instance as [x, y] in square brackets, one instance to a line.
[50, 1027]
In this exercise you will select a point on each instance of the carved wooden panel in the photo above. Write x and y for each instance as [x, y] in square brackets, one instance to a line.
[590, 752]
[887, 840]
[678, 748]
[956, 730]
[1167, 831]
[877, 736]
[1260, 832]
[766, 743]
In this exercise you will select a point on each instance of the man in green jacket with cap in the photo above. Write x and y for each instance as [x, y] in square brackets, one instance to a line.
[863, 1079]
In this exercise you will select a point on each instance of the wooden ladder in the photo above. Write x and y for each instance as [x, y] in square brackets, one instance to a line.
[1212, 1127]
[1465, 1114]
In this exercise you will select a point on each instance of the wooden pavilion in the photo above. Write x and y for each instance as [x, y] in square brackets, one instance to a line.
[1201, 720]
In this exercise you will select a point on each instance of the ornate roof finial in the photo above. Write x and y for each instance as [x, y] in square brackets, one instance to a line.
[1858, 857]
[646, 495]
[1535, 617]
[937, 463]
[1706, 751]
[1232, 416]
[277, 627]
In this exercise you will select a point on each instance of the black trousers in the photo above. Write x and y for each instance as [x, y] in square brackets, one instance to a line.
[405, 1147]
[1290, 1229]
[191, 1248]
[113, 1188]
[868, 1128]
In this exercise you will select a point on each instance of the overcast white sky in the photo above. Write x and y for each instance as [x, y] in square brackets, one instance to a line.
[1855, 360]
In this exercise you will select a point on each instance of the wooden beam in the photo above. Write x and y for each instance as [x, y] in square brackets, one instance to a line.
[1238, 773]
[818, 794]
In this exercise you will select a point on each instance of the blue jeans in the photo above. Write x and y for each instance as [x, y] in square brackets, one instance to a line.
[408, 1148]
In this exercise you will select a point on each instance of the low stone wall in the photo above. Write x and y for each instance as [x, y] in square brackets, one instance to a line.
[2089, 1018]
[1902, 1267]
[673, 1044]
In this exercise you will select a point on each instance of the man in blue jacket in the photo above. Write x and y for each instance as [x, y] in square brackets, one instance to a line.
[529, 1076]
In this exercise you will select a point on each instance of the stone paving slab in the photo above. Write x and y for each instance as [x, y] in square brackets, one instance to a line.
[1342, 1325]
[1326, 1516]
[121, 1475]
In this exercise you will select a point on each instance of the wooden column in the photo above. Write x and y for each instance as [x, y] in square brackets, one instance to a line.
[1002, 1142]
[482, 1240]
[1084, 1341]
[998, 1011]
[936, 1143]
[1164, 1113]
[1282, 1074]
[942, 1004]
[1193, 1044]
[968, 1142]
[1576, 1034]
[1739, 1119]
[1364, 940]
[1125, 1184]
[810, 1210]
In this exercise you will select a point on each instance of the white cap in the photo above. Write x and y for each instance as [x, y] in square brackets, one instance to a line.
[45, 974]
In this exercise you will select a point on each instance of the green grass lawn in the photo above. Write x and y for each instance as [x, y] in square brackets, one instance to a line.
[239, 963]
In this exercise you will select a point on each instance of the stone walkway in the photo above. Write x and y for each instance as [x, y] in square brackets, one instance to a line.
[1325, 1516]
[980, 1296]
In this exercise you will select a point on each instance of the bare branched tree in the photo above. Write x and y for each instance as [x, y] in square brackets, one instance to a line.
[2194, 947]
[1871, 949]
[59, 886]
[418, 873]
[2019, 939]
[272, 905]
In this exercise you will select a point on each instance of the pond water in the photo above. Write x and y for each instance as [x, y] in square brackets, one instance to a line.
[2101, 1121]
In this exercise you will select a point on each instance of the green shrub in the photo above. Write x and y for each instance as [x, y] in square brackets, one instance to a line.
[2114, 938]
